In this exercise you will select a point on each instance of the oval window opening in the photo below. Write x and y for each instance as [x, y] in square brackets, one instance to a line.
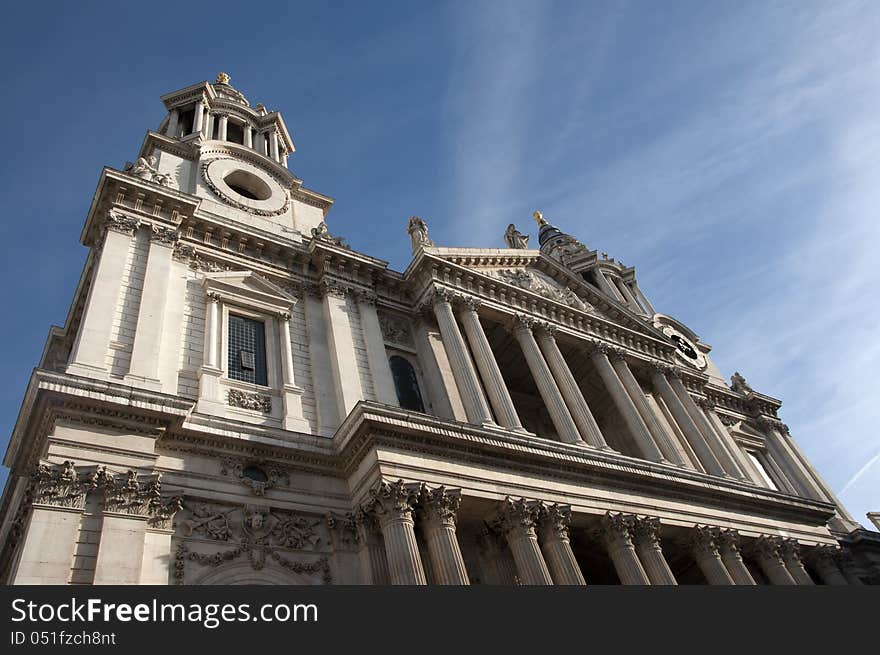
[248, 185]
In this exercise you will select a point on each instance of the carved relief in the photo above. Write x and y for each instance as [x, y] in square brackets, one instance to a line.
[396, 330]
[257, 475]
[146, 169]
[253, 401]
[542, 285]
[418, 233]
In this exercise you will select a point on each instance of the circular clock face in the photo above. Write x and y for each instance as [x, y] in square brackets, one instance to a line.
[685, 348]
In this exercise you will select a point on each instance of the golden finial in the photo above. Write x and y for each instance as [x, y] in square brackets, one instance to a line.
[539, 218]
[222, 78]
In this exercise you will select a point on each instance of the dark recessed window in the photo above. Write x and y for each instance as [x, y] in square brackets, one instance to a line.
[247, 350]
[234, 133]
[406, 384]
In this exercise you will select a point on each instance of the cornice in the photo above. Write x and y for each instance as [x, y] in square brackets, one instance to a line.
[371, 424]
[150, 202]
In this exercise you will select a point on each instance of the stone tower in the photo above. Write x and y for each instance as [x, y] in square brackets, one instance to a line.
[238, 396]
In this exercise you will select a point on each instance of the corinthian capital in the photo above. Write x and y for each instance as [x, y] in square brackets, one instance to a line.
[704, 540]
[167, 236]
[442, 294]
[118, 222]
[516, 517]
[554, 521]
[618, 527]
[472, 302]
[729, 540]
[390, 501]
[523, 322]
[769, 547]
[597, 348]
[791, 550]
[646, 530]
[439, 506]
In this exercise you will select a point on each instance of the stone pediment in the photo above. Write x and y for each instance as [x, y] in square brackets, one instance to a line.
[532, 271]
[249, 288]
[542, 284]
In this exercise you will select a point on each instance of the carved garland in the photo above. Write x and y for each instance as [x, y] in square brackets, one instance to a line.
[228, 199]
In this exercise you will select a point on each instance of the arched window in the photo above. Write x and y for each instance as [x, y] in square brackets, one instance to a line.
[406, 384]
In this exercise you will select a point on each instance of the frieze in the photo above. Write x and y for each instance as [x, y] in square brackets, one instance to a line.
[253, 401]
[256, 556]
[259, 525]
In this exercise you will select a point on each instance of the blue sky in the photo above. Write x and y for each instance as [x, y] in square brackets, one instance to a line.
[730, 151]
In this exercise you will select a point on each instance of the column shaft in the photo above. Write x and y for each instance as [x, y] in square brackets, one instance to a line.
[638, 429]
[618, 540]
[377, 357]
[577, 404]
[402, 551]
[705, 552]
[770, 559]
[647, 543]
[634, 389]
[149, 333]
[555, 544]
[221, 130]
[728, 548]
[728, 466]
[550, 394]
[93, 338]
[688, 427]
[486, 363]
[439, 507]
[198, 117]
[475, 405]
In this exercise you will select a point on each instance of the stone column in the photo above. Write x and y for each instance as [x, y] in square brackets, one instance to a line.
[89, 353]
[704, 548]
[847, 566]
[727, 440]
[221, 130]
[623, 402]
[292, 393]
[634, 389]
[553, 522]
[791, 555]
[57, 504]
[495, 558]
[198, 117]
[617, 535]
[438, 509]
[340, 340]
[392, 505]
[371, 549]
[475, 405]
[769, 555]
[685, 422]
[647, 303]
[173, 123]
[496, 388]
[248, 136]
[148, 336]
[516, 521]
[377, 357]
[210, 372]
[646, 535]
[724, 459]
[727, 542]
[824, 561]
[550, 394]
[209, 126]
[577, 404]
[273, 144]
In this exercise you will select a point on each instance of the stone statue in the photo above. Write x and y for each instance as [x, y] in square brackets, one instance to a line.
[738, 383]
[516, 239]
[418, 233]
[321, 232]
[146, 169]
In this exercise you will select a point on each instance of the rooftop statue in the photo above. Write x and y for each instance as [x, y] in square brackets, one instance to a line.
[418, 233]
[516, 239]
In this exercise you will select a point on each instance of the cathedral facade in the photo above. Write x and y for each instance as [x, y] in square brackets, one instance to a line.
[239, 397]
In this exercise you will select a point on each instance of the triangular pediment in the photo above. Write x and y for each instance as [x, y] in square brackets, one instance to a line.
[535, 272]
[246, 287]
